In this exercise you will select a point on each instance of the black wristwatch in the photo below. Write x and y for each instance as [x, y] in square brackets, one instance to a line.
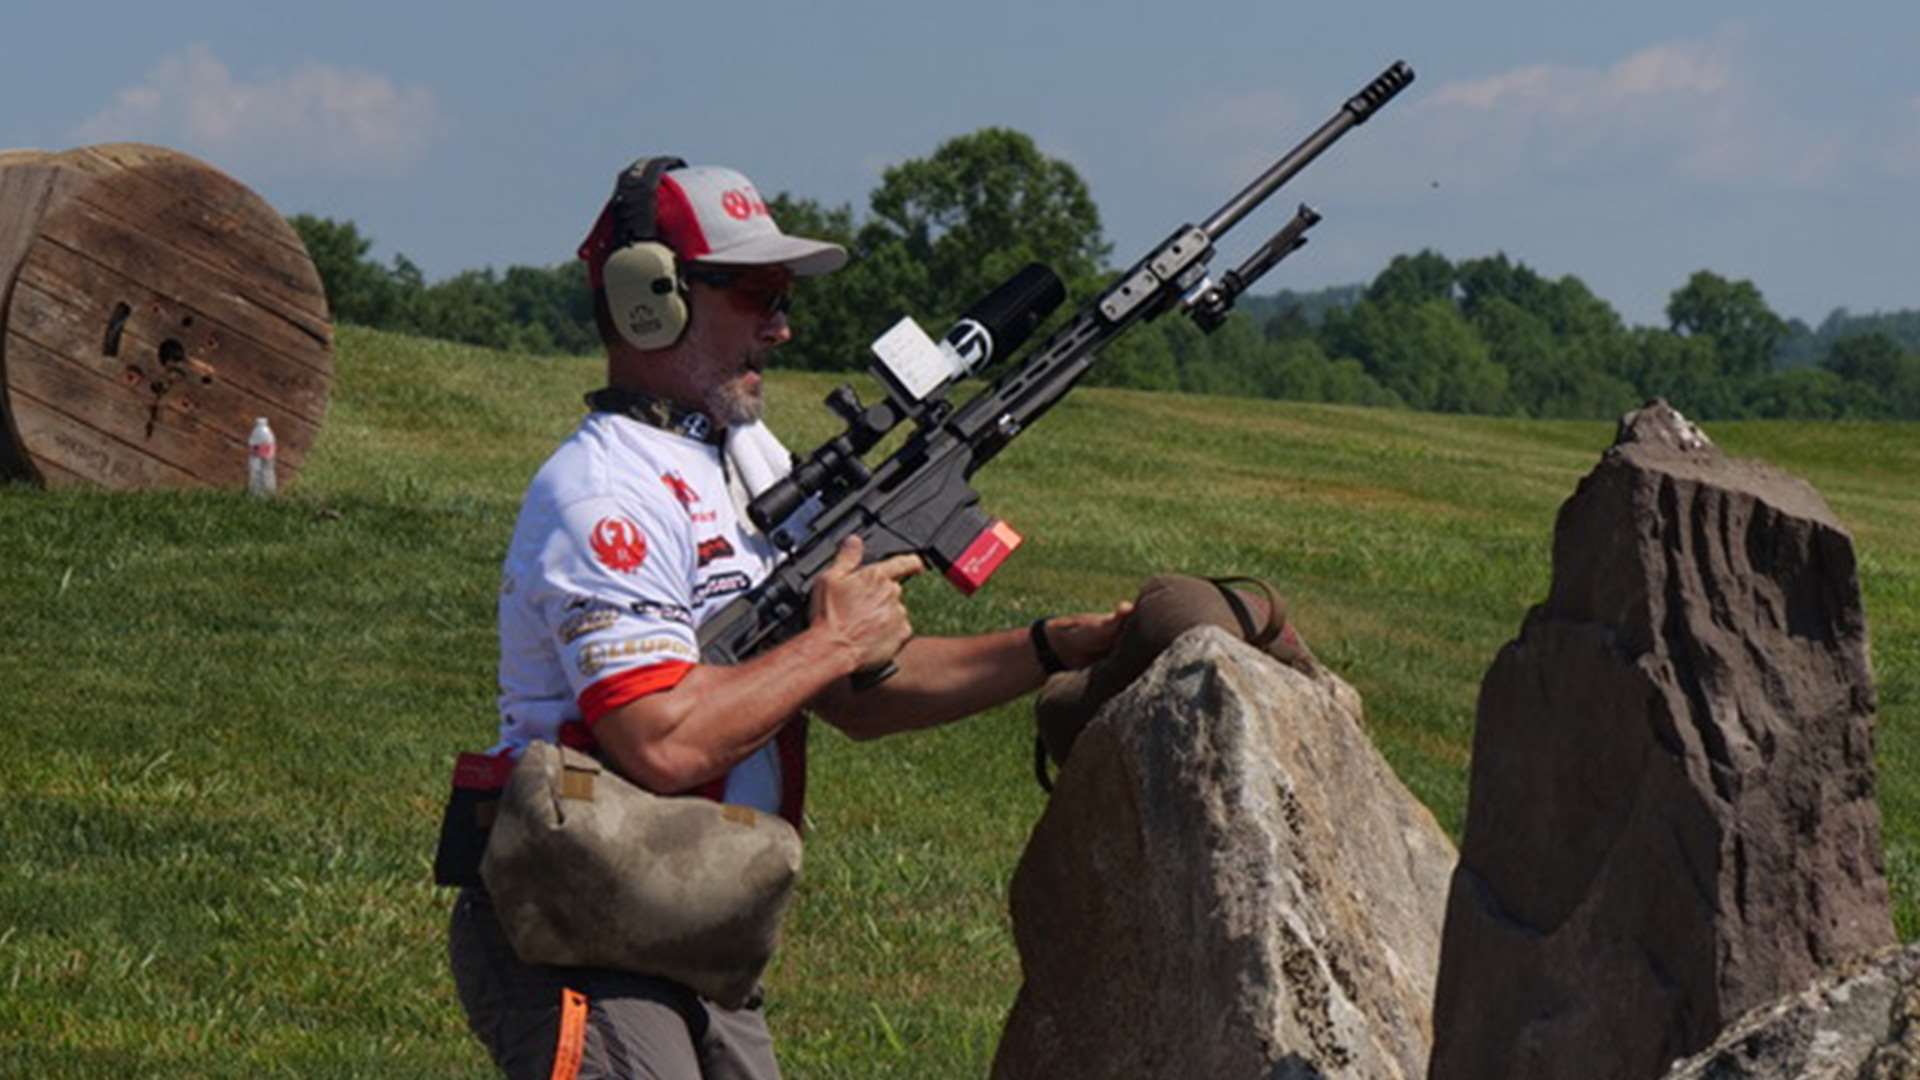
[1050, 661]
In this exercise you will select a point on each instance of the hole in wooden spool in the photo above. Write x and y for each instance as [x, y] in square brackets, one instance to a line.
[115, 324]
[186, 320]
[172, 353]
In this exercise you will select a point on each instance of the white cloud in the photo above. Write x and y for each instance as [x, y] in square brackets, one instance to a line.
[317, 117]
[1686, 110]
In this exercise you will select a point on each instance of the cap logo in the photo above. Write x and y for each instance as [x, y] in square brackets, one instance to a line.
[743, 203]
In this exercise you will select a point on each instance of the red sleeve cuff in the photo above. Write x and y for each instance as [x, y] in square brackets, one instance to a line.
[631, 685]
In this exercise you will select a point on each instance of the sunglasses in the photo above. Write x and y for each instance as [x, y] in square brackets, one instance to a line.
[760, 292]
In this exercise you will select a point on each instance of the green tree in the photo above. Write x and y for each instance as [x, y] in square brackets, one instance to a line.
[1683, 370]
[943, 231]
[1302, 372]
[1733, 316]
[1413, 279]
[1288, 324]
[836, 316]
[1424, 353]
[358, 289]
[1143, 359]
[1872, 359]
[1804, 394]
[981, 207]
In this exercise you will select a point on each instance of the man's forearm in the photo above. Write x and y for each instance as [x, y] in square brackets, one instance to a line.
[940, 680]
[715, 717]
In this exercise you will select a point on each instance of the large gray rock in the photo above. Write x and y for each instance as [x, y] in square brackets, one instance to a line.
[1671, 816]
[1228, 882]
[1861, 1022]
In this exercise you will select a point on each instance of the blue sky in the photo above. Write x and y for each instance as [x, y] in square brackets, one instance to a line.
[1628, 143]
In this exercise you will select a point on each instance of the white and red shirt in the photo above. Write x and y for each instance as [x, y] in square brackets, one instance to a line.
[629, 537]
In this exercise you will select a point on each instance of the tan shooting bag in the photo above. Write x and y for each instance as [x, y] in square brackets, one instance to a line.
[1168, 605]
[587, 870]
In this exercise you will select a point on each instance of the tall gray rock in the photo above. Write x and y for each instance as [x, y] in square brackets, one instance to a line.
[1228, 882]
[1671, 816]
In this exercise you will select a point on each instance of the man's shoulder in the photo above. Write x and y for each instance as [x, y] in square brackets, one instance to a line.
[634, 470]
[601, 459]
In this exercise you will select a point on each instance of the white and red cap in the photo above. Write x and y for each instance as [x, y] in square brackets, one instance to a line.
[709, 214]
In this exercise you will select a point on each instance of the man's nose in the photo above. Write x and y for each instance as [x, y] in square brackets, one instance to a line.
[775, 329]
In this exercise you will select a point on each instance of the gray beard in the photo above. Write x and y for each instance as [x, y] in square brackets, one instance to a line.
[731, 405]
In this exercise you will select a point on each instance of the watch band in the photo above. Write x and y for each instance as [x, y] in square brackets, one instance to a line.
[1050, 661]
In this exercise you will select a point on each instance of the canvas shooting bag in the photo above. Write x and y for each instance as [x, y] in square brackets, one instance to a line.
[585, 869]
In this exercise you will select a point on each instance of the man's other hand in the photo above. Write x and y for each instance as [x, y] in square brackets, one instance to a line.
[1080, 640]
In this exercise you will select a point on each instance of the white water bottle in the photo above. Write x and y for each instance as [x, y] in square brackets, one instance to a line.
[260, 451]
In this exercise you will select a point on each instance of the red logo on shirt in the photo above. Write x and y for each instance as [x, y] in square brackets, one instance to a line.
[715, 548]
[617, 543]
[680, 488]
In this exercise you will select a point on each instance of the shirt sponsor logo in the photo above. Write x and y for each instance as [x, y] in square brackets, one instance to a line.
[716, 548]
[653, 609]
[680, 488]
[725, 584]
[684, 492]
[582, 623]
[618, 544]
[598, 657]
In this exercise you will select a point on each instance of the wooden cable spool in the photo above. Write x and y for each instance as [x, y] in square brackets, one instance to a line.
[150, 308]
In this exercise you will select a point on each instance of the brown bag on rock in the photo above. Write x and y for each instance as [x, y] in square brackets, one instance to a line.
[1168, 606]
[588, 870]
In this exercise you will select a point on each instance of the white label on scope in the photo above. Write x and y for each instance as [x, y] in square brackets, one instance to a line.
[914, 361]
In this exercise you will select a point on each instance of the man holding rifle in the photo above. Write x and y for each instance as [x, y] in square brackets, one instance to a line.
[630, 535]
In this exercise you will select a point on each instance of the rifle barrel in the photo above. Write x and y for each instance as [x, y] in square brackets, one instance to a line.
[1354, 112]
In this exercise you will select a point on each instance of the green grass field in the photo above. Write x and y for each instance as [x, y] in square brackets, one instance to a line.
[228, 723]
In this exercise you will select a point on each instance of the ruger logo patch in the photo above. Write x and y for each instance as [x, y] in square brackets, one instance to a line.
[617, 543]
[716, 548]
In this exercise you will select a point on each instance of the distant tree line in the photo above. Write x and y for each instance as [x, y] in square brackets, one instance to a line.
[1485, 335]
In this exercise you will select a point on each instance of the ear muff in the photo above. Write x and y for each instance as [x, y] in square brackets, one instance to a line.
[645, 293]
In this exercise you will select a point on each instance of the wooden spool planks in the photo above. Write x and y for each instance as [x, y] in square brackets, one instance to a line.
[150, 308]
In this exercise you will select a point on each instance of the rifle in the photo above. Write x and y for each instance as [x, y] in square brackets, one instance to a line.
[918, 501]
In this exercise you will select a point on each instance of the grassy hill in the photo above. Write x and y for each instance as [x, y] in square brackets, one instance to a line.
[228, 723]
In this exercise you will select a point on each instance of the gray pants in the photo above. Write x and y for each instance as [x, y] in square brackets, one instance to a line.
[536, 1020]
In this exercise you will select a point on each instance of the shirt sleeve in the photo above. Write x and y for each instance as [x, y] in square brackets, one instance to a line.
[618, 601]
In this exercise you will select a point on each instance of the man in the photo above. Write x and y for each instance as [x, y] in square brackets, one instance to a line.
[630, 535]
